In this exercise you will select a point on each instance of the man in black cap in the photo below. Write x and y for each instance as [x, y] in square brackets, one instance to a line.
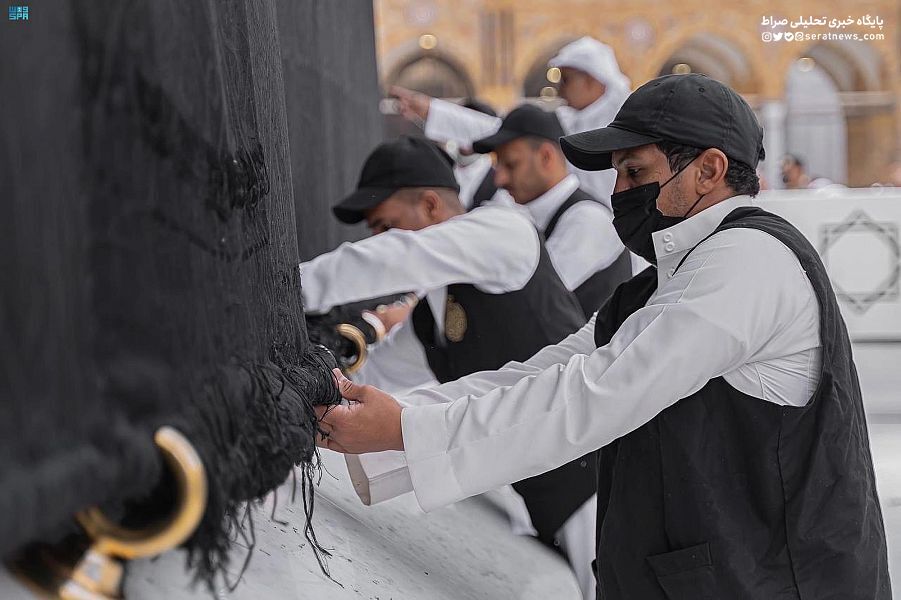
[491, 293]
[474, 171]
[577, 229]
[719, 383]
[592, 87]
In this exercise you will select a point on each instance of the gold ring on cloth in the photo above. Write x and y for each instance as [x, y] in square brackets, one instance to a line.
[356, 336]
[97, 574]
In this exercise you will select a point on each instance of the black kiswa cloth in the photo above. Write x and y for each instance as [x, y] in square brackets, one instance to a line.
[322, 328]
[149, 263]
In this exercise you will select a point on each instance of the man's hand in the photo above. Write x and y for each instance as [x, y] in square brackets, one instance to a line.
[370, 423]
[412, 105]
[397, 312]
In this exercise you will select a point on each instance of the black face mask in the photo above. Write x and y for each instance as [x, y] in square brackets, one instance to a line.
[636, 217]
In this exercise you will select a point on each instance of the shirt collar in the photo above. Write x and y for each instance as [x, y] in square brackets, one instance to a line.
[672, 243]
[542, 208]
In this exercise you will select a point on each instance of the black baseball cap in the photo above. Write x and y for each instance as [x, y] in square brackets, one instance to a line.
[525, 120]
[402, 163]
[689, 109]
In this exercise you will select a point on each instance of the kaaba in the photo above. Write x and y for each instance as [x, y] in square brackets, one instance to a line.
[162, 170]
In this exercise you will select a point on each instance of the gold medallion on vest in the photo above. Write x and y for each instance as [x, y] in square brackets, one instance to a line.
[454, 320]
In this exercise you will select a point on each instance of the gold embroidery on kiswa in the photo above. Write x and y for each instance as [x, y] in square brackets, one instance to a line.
[454, 320]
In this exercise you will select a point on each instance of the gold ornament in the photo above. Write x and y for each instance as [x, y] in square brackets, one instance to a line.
[97, 573]
[454, 320]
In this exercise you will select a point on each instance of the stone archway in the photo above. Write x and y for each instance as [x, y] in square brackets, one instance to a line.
[739, 50]
[726, 59]
[536, 78]
[715, 57]
[815, 128]
[434, 73]
[862, 107]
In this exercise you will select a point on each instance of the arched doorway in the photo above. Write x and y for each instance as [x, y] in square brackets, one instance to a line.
[715, 57]
[842, 87]
[434, 74]
[718, 58]
[815, 127]
[540, 81]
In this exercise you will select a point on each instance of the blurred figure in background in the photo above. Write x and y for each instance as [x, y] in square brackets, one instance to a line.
[474, 172]
[577, 229]
[795, 176]
[591, 83]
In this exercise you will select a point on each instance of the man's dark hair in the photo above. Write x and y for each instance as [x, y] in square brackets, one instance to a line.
[535, 143]
[411, 195]
[741, 177]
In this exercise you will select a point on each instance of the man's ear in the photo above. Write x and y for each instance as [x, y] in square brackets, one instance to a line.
[546, 154]
[432, 203]
[712, 166]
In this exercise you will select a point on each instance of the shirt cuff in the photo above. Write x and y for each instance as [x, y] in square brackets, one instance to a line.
[378, 476]
[435, 127]
[426, 441]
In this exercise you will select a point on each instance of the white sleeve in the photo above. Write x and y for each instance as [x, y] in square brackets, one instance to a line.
[397, 364]
[584, 242]
[448, 121]
[383, 475]
[580, 342]
[718, 311]
[497, 252]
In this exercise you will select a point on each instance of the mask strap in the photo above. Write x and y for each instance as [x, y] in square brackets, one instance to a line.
[693, 206]
[676, 174]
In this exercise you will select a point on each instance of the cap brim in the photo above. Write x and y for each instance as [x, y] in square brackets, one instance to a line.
[492, 142]
[353, 208]
[593, 150]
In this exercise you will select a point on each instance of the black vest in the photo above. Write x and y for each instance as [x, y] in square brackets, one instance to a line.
[514, 326]
[594, 291]
[726, 496]
[485, 191]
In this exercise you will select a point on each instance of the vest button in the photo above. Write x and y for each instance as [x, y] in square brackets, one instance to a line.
[583, 463]
[667, 237]
[669, 247]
